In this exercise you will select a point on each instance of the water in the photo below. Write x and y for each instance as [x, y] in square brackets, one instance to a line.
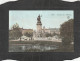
[32, 48]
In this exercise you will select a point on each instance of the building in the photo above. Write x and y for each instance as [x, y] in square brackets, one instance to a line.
[54, 30]
[27, 31]
[23, 31]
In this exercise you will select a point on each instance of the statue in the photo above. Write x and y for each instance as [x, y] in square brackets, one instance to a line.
[39, 18]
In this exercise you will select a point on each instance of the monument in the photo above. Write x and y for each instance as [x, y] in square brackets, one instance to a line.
[39, 27]
[39, 34]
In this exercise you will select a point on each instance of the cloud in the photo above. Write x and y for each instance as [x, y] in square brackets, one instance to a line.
[5, 1]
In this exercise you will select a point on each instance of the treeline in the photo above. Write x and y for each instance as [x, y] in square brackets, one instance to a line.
[66, 32]
[15, 32]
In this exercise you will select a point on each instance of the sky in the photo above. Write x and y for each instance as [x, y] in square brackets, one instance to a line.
[49, 18]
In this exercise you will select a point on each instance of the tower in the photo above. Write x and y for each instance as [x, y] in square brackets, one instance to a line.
[39, 27]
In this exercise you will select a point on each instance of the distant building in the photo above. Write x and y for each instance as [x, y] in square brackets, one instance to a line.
[27, 31]
[24, 30]
[44, 30]
[54, 30]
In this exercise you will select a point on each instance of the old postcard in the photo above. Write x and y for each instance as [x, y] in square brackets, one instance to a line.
[41, 31]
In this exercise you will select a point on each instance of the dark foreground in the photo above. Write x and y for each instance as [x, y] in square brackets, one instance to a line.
[38, 46]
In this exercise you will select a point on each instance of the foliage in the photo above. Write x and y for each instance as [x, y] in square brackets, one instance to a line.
[30, 34]
[15, 26]
[48, 35]
[55, 34]
[51, 35]
[66, 32]
[15, 33]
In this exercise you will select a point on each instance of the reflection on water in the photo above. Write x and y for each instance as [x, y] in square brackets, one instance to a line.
[31, 48]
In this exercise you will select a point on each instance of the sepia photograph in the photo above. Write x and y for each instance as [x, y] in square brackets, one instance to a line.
[41, 31]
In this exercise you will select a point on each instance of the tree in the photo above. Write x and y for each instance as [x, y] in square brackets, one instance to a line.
[15, 32]
[29, 34]
[66, 32]
[48, 35]
[15, 26]
[54, 34]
